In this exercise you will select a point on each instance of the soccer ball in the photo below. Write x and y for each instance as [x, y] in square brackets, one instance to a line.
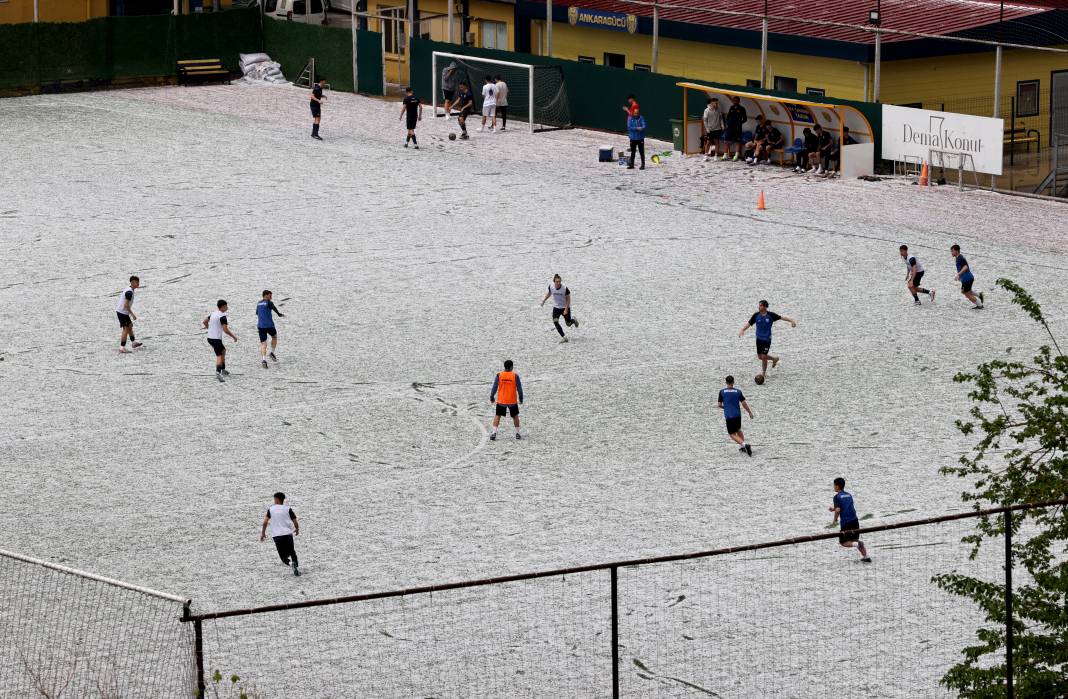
[452, 137]
[759, 379]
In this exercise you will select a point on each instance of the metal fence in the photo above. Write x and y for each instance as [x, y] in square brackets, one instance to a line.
[770, 619]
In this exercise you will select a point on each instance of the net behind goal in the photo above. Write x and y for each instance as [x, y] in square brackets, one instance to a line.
[536, 94]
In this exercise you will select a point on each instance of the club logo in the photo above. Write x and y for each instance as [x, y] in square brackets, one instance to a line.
[632, 23]
[572, 15]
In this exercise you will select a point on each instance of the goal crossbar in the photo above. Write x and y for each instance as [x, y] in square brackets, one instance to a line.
[461, 57]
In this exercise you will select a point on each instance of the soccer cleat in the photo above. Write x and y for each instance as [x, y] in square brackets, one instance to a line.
[741, 448]
[932, 295]
[735, 158]
[137, 344]
[405, 144]
[296, 570]
[219, 377]
[504, 128]
[981, 299]
[866, 559]
[264, 362]
[123, 350]
[417, 146]
[481, 129]
[317, 137]
[564, 339]
[642, 167]
[225, 372]
[493, 437]
[916, 303]
[518, 436]
[748, 450]
[464, 136]
[273, 358]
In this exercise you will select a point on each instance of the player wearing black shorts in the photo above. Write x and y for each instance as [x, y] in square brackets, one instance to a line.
[965, 277]
[732, 402]
[763, 320]
[216, 325]
[844, 511]
[412, 113]
[317, 107]
[507, 393]
[465, 104]
[914, 275]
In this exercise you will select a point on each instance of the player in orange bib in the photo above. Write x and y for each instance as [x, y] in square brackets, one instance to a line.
[507, 393]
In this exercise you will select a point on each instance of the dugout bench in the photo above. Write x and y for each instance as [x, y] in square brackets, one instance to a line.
[202, 70]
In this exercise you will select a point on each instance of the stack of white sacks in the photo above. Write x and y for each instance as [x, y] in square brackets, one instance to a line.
[258, 67]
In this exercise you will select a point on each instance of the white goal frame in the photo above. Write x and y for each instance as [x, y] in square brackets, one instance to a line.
[526, 66]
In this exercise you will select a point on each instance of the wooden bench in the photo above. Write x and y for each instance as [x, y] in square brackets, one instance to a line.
[1022, 134]
[202, 70]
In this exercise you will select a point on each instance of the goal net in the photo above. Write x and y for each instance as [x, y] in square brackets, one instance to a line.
[536, 94]
[68, 633]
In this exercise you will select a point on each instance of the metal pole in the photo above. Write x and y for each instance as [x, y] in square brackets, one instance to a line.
[198, 653]
[878, 63]
[764, 53]
[36, 11]
[411, 18]
[997, 98]
[867, 81]
[548, 27]
[176, 8]
[1009, 690]
[656, 37]
[449, 32]
[355, 47]
[382, 35]
[615, 634]
[530, 97]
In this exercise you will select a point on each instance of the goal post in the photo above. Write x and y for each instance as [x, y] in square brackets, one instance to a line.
[537, 92]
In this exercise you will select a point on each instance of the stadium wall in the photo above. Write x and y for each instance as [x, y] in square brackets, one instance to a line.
[47, 55]
[293, 43]
[597, 93]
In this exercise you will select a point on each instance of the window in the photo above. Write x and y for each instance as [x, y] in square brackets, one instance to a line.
[587, 59]
[393, 29]
[643, 67]
[785, 84]
[752, 82]
[615, 60]
[817, 91]
[913, 105]
[494, 35]
[1027, 98]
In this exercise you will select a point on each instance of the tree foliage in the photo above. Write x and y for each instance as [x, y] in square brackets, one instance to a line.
[1020, 417]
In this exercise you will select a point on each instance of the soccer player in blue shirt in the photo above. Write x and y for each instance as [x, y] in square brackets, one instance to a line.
[763, 319]
[845, 512]
[731, 402]
[265, 325]
[965, 277]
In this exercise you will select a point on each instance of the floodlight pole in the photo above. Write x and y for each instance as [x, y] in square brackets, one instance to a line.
[549, 28]
[448, 33]
[878, 63]
[36, 11]
[656, 37]
[764, 48]
[355, 47]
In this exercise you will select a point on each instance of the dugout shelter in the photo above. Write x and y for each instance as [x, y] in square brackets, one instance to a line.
[791, 116]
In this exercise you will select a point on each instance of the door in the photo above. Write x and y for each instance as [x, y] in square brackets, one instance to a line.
[615, 60]
[1058, 99]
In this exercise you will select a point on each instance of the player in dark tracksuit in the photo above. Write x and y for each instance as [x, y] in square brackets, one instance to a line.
[846, 513]
[412, 113]
[316, 104]
[464, 104]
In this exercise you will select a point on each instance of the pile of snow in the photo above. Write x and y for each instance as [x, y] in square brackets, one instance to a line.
[258, 67]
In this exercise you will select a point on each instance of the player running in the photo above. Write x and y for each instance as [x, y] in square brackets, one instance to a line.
[914, 275]
[507, 393]
[265, 325]
[763, 320]
[965, 277]
[465, 104]
[124, 310]
[561, 296]
[489, 104]
[731, 402]
[316, 104]
[411, 108]
[284, 526]
[217, 325]
[843, 510]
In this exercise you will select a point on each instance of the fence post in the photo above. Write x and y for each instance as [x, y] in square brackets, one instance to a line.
[1012, 130]
[1009, 691]
[615, 633]
[198, 652]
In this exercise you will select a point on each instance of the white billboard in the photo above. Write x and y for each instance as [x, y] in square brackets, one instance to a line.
[917, 132]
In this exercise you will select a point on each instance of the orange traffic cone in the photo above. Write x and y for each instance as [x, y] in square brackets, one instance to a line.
[923, 175]
[760, 201]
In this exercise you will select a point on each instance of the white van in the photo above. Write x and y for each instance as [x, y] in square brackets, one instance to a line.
[293, 8]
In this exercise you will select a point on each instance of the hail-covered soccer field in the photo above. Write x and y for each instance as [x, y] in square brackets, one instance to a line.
[406, 277]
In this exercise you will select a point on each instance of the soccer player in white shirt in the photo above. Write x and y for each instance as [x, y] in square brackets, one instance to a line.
[561, 296]
[914, 275]
[284, 526]
[489, 104]
[502, 101]
[124, 310]
[217, 324]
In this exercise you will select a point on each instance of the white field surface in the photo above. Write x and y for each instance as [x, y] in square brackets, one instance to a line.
[406, 278]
